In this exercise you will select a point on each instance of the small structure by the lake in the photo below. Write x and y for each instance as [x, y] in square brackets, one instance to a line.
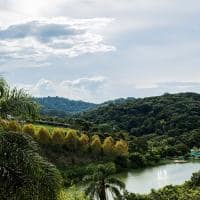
[195, 154]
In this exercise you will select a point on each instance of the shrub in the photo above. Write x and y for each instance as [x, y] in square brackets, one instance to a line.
[3, 124]
[29, 129]
[14, 126]
[72, 193]
[58, 137]
[137, 160]
[43, 136]
[195, 179]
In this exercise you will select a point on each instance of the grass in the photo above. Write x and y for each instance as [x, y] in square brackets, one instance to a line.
[51, 128]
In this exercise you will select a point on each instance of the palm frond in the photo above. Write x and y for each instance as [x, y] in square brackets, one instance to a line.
[116, 182]
[90, 190]
[115, 192]
[17, 103]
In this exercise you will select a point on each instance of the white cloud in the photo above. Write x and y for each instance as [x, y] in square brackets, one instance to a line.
[41, 39]
[87, 88]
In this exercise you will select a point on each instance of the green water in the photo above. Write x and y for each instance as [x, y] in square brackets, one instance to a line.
[142, 181]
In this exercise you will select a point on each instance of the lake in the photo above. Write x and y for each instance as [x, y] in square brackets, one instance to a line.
[142, 181]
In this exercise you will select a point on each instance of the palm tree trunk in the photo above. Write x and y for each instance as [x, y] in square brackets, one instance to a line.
[102, 192]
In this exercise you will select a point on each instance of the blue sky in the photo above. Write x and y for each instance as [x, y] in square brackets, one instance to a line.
[95, 50]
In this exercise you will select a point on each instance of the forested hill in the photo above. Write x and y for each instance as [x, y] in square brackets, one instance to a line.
[58, 106]
[173, 114]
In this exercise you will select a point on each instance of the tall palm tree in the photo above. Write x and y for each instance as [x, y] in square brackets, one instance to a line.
[101, 182]
[16, 102]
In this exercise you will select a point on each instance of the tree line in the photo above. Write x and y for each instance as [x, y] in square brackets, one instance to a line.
[70, 140]
[169, 114]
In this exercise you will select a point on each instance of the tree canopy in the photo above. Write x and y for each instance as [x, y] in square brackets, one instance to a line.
[16, 102]
[24, 174]
[171, 114]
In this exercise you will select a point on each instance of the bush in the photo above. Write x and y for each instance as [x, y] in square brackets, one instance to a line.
[43, 136]
[152, 157]
[58, 137]
[29, 129]
[3, 124]
[195, 179]
[137, 160]
[14, 126]
[72, 193]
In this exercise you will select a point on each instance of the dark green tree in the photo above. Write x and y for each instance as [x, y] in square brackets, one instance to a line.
[24, 174]
[16, 102]
[99, 183]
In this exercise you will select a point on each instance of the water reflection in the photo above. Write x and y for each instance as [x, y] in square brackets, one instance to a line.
[142, 181]
[162, 174]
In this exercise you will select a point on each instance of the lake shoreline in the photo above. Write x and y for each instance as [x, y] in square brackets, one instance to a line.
[157, 177]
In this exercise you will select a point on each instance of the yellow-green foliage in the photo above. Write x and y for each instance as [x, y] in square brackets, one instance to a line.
[71, 141]
[14, 126]
[108, 146]
[43, 136]
[58, 136]
[121, 148]
[3, 124]
[72, 194]
[96, 144]
[51, 128]
[29, 129]
[84, 142]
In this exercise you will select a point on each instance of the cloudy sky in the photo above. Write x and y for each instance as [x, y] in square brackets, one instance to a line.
[97, 50]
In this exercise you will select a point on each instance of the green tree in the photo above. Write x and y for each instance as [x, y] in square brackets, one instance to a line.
[71, 141]
[3, 124]
[96, 145]
[195, 179]
[16, 102]
[58, 137]
[137, 160]
[29, 129]
[121, 148]
[24, 174]
[14, 126]
[43, 136]
[99, 183]
[108, 146]
[84, 142]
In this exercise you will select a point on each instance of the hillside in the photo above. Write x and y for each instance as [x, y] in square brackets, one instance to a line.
[173, 114]
[60, 107]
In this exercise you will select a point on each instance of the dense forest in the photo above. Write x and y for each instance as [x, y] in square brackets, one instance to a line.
[60, 107]
[172, 114]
